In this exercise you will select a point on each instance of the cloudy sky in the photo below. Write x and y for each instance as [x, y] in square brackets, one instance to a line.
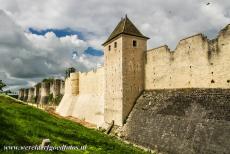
[38, 38]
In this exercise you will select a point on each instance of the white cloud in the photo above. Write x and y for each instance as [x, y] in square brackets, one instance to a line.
[165, 22]
[29, 57]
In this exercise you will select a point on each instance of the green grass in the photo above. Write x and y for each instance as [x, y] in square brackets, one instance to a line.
[21, 125]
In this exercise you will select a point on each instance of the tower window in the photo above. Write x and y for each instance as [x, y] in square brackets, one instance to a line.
[115, 44]
[134, 43]
[109, 47]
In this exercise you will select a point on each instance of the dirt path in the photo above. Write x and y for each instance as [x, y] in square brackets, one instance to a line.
[51, 110]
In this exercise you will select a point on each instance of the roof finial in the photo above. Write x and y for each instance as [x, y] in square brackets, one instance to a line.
[126, 16]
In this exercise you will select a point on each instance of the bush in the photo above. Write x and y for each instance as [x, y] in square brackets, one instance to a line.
[2, 85]
[57, 99]
[50, 99]
[48, 80]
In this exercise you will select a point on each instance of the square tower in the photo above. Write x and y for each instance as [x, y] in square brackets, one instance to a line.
[74, 83]
[124, 70]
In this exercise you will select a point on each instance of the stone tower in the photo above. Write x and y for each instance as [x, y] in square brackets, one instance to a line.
[124, 70]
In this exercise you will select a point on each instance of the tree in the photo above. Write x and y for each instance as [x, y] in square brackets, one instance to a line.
[68, 71]
[2, 85]
[48, 80]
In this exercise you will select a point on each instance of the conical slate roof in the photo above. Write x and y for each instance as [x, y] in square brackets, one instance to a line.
[125, 26]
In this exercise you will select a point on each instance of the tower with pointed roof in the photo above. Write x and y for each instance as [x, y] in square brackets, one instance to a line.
[124, 70]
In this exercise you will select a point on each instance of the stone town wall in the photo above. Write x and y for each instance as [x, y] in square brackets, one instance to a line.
[41, 91]
[21, 94]
[84, 96]
[66, 104]
[90, 103]
[196, 63]
[62, 90]
[37, 93]
[185, 105]
[26, 92]
[45, 91]
[181, 121]
[31, 95]
[55, 88]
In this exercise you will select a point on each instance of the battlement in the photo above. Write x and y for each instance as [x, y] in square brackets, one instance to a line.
[197, 62]
[164, 47]
[93, 71]
[188, 41]
[195, 40]
[198, 35]
[225, 30]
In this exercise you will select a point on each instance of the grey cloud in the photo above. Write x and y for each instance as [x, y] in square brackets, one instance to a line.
[165, 22]
[27, 58]
[168, 20]
[15, 83]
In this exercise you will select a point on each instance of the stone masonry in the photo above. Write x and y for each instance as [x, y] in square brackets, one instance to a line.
[174, 100]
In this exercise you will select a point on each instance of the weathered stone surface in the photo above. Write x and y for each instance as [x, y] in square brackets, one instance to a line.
[21, 94]
[84, 100]
[62, 90]
[37, 93]
[26, 93]
[181, 121]
[197, 62]
[31, 95]
[45, 91]
[124, 76]
[56, 87]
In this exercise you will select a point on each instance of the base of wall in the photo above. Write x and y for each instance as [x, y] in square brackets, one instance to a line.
[87, 107]
[181, 121]
[37, 99]
[44, 100]
[25, 99]
[65, 108]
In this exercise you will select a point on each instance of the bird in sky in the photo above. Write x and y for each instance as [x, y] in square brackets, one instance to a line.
[208, 3]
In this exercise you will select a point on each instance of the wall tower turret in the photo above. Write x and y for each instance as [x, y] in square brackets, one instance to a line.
[124, 70]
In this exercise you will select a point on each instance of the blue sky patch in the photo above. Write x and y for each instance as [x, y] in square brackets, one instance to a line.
[94, 52]
[65, 32]
[58, 32]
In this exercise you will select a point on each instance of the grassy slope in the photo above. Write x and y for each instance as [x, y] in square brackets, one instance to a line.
[25, 125]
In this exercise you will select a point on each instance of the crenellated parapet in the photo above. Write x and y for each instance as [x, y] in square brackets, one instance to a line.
[197, 62]
[48, 91]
